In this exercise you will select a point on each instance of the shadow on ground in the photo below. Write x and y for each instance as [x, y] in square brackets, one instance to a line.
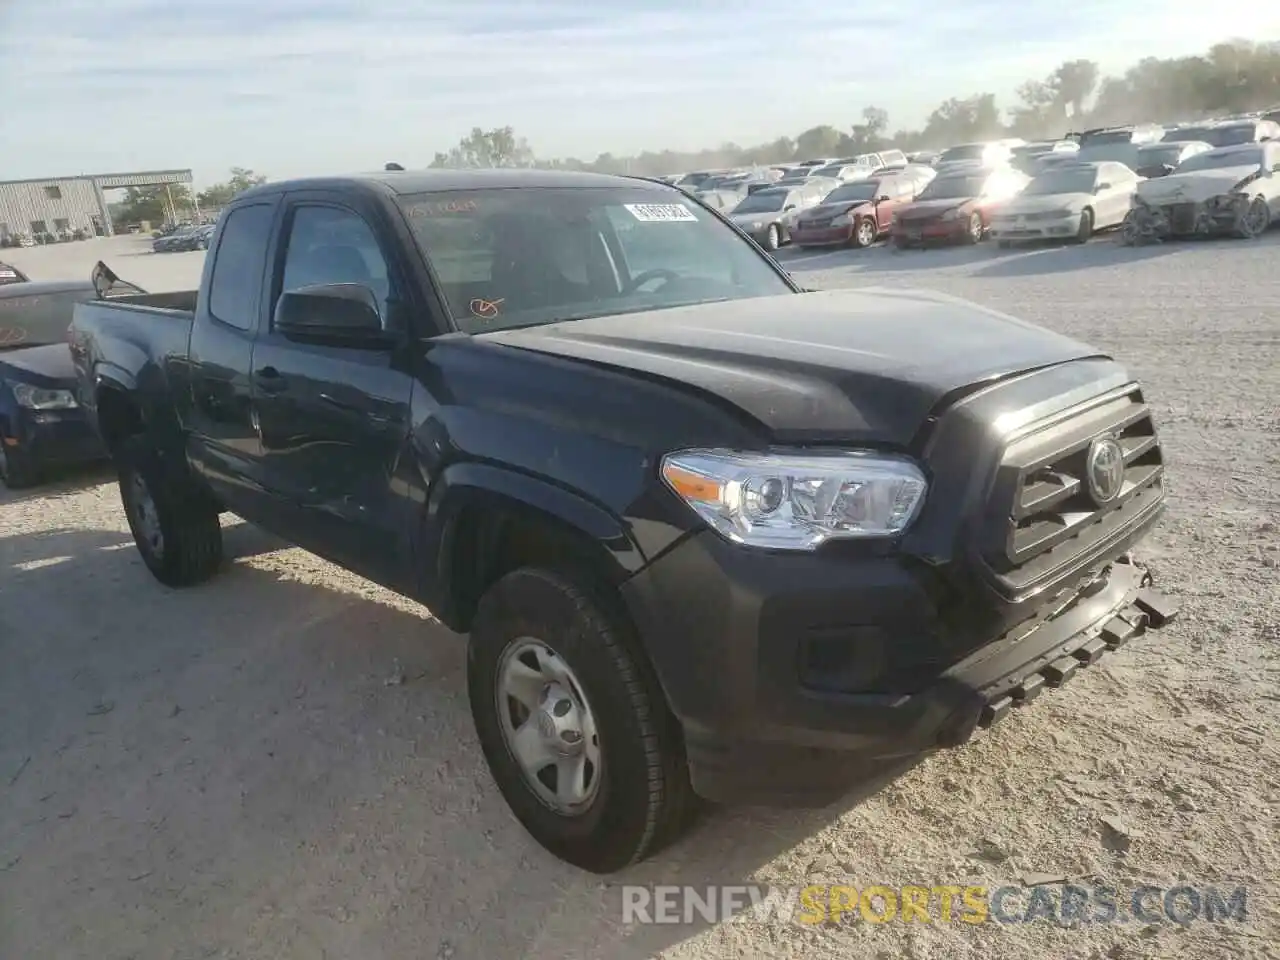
[60, 482]
[269, 759]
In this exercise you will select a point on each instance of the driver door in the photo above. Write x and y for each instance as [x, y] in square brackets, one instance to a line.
[333, 422]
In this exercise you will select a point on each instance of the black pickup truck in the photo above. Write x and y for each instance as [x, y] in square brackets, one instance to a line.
[711, 535]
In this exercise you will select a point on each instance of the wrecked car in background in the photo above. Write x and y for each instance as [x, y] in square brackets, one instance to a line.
[1230, 190]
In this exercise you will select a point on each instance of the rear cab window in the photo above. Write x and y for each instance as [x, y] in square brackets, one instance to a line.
[506, 258]
[235, 284]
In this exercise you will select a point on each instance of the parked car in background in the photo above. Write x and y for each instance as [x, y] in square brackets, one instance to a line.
[843, 171]
[956, 206]
[41, 423]
[195, 239]
[1227, 133]
[1125, 152]
[173, 242]
[10, 274]
[1024, 157]
[987, 153]
[765, 214]
[1160, 159]
[1227, 190]
[1069, 202]
[929, 157]
[1126, 134]
[856, 213]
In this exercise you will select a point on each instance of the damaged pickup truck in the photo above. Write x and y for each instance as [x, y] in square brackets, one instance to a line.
[709, 534]
[1233, 191]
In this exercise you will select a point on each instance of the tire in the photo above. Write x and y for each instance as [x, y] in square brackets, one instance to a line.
[902, 243]
[975, 229]
[1003, 244]
[1085, 233]
[1255, 221]
[174, 523]
[865, 231]
[773, 238]
[17, 471]
[637, 798]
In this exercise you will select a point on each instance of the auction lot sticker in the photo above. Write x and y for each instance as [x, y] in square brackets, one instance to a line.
[660, 212]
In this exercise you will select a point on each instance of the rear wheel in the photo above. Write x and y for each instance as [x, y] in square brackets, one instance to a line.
[174, 523]
[773, 238]
[901, 242]
[573, 725]
[864, 232]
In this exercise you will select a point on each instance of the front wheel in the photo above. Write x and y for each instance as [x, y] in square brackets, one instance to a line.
[17, 472]
[1085, 231]
[864, 233]
[573, 725]
[1255, 220]
[173, 521]
[773, 238]
[975, 229]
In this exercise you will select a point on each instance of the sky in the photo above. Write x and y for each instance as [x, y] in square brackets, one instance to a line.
[301, 87]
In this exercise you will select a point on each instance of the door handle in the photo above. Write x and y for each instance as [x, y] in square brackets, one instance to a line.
[358, 409]
[269, 379]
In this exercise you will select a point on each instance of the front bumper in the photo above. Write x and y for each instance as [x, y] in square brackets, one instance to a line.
[822, 236]
[1022, 228]
[787, 671]
[55, 437]
[931, 231]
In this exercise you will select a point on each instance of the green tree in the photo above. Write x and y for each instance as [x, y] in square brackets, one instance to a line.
[499, 147]
[220, 194]
[823, 141]
[152, 204]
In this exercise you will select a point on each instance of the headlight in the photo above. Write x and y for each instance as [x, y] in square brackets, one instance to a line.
[37, 398]
[797, 500]
[757, 224]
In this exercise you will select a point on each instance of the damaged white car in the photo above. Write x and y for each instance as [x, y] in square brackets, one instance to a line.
[1231, 190]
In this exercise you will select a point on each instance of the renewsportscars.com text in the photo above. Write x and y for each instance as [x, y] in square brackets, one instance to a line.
[1064, 904]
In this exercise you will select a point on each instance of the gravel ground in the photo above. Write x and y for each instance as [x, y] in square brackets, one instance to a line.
[238, 771]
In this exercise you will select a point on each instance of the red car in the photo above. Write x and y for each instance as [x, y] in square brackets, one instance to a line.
[856, 213]
[956, 206]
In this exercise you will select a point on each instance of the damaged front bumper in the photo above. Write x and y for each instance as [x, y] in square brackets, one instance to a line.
[1225, 214]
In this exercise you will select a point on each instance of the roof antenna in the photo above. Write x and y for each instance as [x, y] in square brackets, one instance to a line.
[393, 166]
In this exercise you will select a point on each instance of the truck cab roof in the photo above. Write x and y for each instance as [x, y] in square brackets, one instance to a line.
[407, 182]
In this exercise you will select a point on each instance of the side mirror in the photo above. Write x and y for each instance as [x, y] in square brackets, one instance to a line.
[789, 206]
[332, 314]
[883, 198]
[1102, 186]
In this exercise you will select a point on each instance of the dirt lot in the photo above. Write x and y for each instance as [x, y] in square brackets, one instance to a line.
[231, 771]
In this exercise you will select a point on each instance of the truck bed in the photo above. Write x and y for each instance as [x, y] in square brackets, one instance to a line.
[179, 302]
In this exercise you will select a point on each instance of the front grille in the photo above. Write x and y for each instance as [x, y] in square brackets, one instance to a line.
[1043, 517]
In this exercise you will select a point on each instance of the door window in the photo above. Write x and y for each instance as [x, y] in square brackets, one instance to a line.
[333, 245]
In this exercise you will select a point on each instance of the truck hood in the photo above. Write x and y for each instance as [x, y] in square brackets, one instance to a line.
[49, 366]
[1194, 187]
[866, 365]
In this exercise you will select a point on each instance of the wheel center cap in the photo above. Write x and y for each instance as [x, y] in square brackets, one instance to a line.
[560, 721]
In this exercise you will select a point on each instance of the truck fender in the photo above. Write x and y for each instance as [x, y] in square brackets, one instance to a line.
[465, 495]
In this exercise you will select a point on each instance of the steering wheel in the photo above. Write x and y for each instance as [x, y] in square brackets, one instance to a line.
[659, 273]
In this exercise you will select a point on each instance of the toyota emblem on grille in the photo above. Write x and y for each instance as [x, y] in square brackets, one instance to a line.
[1104, 470]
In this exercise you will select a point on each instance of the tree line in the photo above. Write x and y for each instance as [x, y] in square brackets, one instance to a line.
[1230, 77]
[159, 203]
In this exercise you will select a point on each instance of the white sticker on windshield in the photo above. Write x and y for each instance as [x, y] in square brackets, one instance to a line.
[660, 212]
[8, 274]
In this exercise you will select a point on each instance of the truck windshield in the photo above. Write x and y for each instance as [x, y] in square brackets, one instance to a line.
[509, 258]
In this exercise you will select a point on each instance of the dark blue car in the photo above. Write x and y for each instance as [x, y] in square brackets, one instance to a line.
[41, 424]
